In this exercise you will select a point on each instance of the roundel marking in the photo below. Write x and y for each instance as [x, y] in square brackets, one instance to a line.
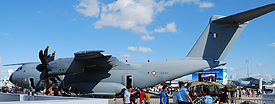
[153, 73]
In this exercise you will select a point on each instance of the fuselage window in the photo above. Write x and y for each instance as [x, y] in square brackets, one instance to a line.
[18, 69]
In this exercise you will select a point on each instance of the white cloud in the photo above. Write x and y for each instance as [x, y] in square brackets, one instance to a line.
[132, 15]
[3, 33]
[265, 76]
[88, 8]
[38, 11]
[127, 14]
[230, 69]
[272, 44]
[144, 49]
[2, 71]
[202, 4]
[132, 48]
[140, 49]
[260, 65]
[147, 37]
[170, 27]
[125, 55]
[140, 29]
[74, 19]
[205, 4]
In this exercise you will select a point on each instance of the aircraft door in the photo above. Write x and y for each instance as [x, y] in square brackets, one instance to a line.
[31, 82]
[129, 80]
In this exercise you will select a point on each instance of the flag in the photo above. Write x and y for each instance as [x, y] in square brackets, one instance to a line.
[215, 35]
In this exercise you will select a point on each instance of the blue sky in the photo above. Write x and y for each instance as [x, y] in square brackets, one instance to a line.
[136, 30]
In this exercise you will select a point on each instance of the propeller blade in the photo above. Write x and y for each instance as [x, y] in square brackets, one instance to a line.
[53, 55]
[43, 75]
[47, 82]
[58, 78]
[45, 58]
[53, 80]
[41, 67]
[46, 53]
[41, 57]
[51, 58]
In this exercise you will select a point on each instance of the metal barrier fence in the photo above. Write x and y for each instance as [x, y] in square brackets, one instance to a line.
[251, 101]
[152, 101]
[229, 101]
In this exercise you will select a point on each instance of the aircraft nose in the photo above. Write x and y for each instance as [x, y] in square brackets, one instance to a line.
[11, 78]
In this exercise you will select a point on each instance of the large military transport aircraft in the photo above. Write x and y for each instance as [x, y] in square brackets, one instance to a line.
[94, 72]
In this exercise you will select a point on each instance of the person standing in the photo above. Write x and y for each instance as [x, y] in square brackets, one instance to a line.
[134, 96]
[44, 91]
[240, 94]
[207, 98]
[183, 95]
[147, 97]
[174, 96]
[69, 91]
[167, 97]
[163, 98]
[141, 97]
[127, 95]
[56, 91]
[223, 97]
[255, 92]
[30, 93]
[50, 90]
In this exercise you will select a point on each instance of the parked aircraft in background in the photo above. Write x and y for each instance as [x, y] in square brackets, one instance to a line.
[248, 81]
[5, 81]
[94, 72]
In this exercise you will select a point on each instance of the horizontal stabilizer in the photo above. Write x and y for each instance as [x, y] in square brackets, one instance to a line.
[247, 15]
[22, 63]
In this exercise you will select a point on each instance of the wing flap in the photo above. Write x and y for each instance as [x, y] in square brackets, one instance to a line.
[247, 15]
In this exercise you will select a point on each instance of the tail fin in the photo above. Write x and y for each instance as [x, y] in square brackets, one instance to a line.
[222, 32]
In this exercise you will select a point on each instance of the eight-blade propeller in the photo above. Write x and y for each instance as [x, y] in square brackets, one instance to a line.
[45, 58]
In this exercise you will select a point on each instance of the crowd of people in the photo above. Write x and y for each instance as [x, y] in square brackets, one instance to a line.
[131, 96]
[13, 89]
[251, 92]
[49, 91]
[181, 96]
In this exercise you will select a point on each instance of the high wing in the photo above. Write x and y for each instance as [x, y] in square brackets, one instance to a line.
[89, 68]
[94, 59]
[86, 55]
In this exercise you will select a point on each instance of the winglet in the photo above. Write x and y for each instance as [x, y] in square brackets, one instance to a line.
[247, 15]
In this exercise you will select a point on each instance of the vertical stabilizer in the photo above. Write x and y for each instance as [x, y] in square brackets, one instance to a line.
[222, 32]
[10, 72]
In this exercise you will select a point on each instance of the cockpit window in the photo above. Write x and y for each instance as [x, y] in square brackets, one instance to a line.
[18, 69]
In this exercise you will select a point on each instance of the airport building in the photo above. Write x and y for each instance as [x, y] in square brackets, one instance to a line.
[212, 75]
